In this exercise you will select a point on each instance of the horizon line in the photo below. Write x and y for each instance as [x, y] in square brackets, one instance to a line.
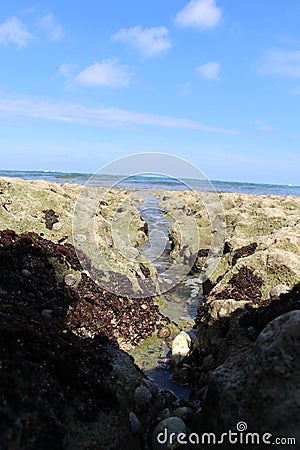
[53, 171]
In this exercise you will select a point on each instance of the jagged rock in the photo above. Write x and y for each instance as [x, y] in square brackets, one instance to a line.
[259, 387]
[72, 378]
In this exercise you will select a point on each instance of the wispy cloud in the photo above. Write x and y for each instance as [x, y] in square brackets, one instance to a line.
[101, 117]
[53, 29]
[263, 126]
[281, 63]
[203, 14]
[149, 42]
[105, 73]
[13, 31]
[66, 70]
[31, 9]
[186, 87]
[211, 70]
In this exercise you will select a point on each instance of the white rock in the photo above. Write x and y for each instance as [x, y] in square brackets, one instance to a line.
[70, 279]
[57, 226]
[180, 347]
[279, 289]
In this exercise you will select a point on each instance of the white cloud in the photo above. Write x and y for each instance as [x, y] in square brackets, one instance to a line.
[65, 70]
[282, 63]
[263, 126]
[203, 14]
[105, 73]
[101, 117]
[53, 30]
[149, 41]
[13, 31]
[211, 70]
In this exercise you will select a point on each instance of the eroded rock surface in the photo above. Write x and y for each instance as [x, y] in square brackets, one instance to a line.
[62, 374]
[259, 386]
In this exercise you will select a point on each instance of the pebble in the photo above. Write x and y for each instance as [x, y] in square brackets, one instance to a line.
[194, 293]
[279, 289]
[57, 226]
[135, 424]
[25, 273]
[184, 412]
[163, 363]
[164, 333]
[143, 398]
[70, 279]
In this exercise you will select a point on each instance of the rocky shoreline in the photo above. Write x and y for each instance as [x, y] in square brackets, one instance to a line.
[245, 361]
[63, 371]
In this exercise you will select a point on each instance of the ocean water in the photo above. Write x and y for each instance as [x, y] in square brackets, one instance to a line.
[148, 181]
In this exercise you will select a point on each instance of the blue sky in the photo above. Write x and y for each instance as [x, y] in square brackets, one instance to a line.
[216, 82]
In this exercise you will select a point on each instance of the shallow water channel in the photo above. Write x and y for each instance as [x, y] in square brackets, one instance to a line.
[181, 302]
